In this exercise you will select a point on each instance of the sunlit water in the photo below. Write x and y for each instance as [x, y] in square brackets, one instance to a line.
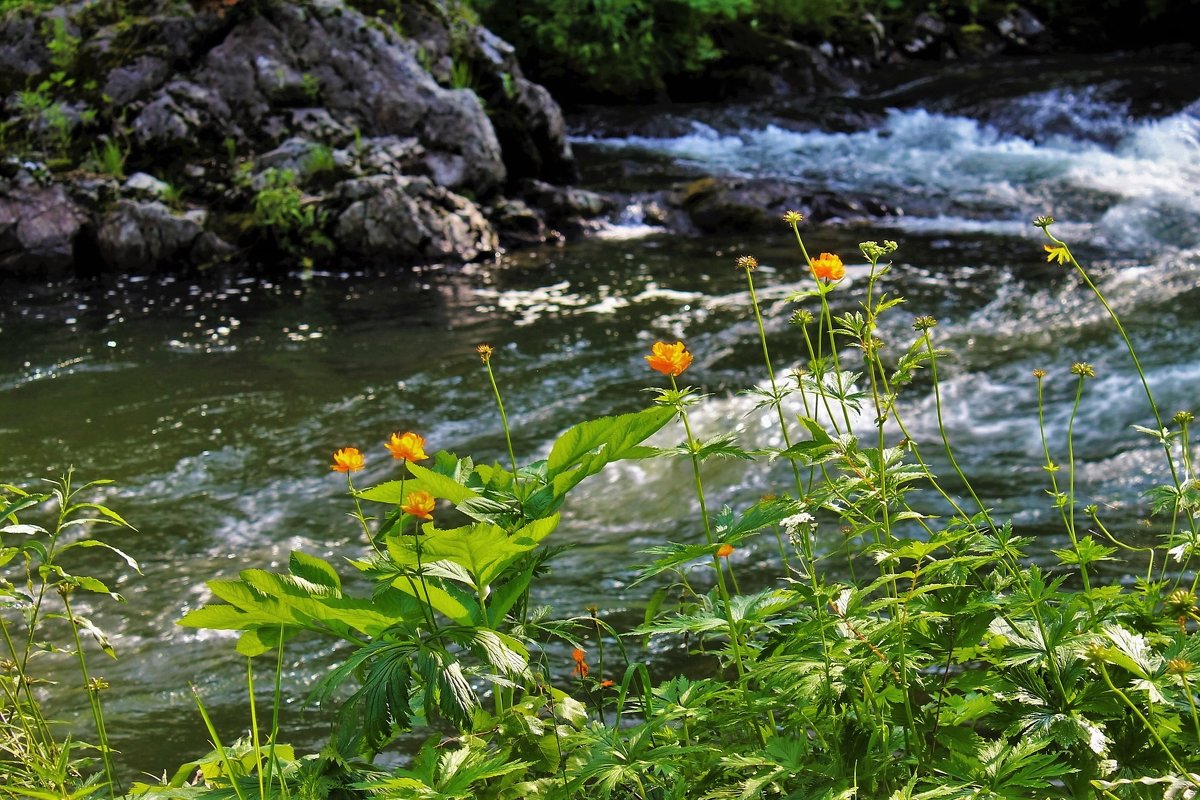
[215, 403]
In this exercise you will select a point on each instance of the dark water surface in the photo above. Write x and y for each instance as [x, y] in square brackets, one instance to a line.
[215, 403]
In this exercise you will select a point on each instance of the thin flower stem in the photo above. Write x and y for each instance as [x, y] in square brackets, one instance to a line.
[358, 515]
[93, 692]
[734, 638]
[262, 788]
[827, 317]
[503, 421]
[222, 756]
[1069, 513]
[1014, 568]
[1146, 723]
[1137, 364]
[277, 702]
[1187, 690]
[776, 398]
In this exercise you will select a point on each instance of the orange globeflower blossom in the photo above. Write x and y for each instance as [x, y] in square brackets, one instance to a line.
[828, 267]
[419, 503]
[724, 550]
[581, 667]
[348, 459]
[669, 359]
[407, 446]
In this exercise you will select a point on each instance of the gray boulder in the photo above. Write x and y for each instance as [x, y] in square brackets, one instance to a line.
[39, 227]
[145, 236]
[389, 219]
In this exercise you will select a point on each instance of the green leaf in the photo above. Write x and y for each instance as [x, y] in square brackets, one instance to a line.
[314, 570]
[104, 511]
[97, 543]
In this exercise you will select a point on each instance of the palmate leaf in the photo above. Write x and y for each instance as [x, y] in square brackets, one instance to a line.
[311, 600]
[483, 549]
[722, 446]
[586, 448]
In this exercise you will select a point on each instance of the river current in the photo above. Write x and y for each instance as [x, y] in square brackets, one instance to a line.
[214, 403]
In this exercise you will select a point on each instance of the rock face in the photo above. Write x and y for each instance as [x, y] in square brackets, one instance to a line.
[249, 118]
[39, 227]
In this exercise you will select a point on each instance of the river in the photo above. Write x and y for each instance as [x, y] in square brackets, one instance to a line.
[214, 403]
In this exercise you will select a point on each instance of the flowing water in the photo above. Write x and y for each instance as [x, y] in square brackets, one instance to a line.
[215, 403]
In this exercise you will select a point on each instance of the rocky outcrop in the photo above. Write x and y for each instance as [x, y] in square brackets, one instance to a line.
[310, 126]
[715, 204]
[39, 228]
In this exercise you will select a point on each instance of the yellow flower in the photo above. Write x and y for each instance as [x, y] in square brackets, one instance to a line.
[485, 352]
[828, 267]
[419, 503]
[669, 359]
[1058, 254]
[724, 551]
[348, 459]
[407, 446]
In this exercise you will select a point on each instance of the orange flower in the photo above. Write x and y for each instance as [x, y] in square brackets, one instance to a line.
[724, 550]
[581, 667]
[407, 446]
[669, 359]
[419, 503]
[606, 683]
[348, 459]
[828, 267]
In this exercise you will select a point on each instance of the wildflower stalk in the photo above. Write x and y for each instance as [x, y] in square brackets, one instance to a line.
[92, 687]
[1062, 251]
[1187, 690]
[748, 264]
[358, 515]
[486, 356]
[1015, 569]
[1146, 723]
[693, 447]
[276, 703]
[826, 319]
[222, 756]
[256, 744]
[1083, 371]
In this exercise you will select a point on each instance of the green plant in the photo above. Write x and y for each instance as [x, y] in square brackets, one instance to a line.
[110, 159]
[460, 75]
[311, 87]
[940, 663]
[319, 159]
[292, 218]
[35, 760]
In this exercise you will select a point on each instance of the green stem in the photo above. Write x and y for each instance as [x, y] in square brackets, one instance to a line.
[503, 420]
[262, 788]
[222, 756]
[1069, 513]
[93, 693]
[734, 637]
[1183, 773]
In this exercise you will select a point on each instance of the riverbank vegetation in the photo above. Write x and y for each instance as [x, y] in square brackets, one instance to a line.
[904, 647]
[627, 49]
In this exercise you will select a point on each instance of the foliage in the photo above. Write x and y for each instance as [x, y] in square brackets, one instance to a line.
[292, 218]
[635, 48]
[947, 667]
[37, 587]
